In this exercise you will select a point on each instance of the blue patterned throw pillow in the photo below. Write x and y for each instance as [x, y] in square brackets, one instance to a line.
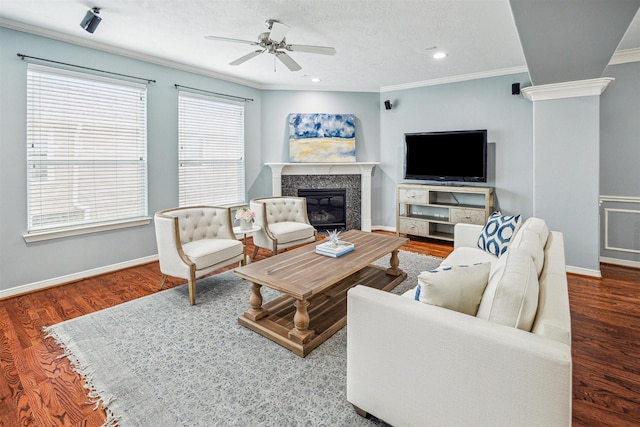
[497, 233]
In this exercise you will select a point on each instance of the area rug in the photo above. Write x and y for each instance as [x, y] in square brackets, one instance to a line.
[157, 361]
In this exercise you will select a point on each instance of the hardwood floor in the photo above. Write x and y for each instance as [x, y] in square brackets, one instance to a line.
[37, 388]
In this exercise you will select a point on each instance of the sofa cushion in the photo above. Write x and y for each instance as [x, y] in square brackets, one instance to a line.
[536, 225]
[530, 242]
[291, 231]
[511, 296]
[497, 233]
[457, 287]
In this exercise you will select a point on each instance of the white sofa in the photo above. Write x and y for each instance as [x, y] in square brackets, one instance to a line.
[415, 364]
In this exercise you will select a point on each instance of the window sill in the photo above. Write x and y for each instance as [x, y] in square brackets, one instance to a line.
[39, 236]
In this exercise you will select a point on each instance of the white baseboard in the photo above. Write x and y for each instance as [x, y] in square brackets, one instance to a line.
[622, 262]
[43, 284]
[583, 271]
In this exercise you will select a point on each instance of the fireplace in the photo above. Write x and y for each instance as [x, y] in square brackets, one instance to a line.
[326, 207]
[286, 178]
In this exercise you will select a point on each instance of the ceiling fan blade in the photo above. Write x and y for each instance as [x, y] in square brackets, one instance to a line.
[322, 50]
[288, 61]
[246, 57]
[225, 39]
[278, 31]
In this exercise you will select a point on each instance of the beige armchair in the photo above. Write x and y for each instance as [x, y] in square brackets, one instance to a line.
[284, 223]
[194, 241]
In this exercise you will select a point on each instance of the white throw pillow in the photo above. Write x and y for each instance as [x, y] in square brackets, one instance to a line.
[458, 288]
[511, 297]
[497, 233]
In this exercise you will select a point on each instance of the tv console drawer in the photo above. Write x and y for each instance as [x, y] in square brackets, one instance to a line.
[409, 195]
[468, 216]
[416, 227]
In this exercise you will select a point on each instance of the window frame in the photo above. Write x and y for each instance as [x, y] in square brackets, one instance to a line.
[137, 209]
[224, 131]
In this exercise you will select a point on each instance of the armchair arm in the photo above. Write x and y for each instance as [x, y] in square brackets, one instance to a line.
[264, 237]
[173, 260]
[409, 363]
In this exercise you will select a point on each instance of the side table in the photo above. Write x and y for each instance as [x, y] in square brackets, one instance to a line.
[240, 231]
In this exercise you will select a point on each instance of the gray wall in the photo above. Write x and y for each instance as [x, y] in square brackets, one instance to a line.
[619, 160]
[475, 104]
[22, 263]
[566, 182]
[276, 107]
[620, 132]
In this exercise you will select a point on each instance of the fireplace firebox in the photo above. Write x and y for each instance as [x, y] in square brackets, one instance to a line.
[326, 208]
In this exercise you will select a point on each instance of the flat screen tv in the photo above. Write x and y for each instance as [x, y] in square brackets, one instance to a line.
[446, 156]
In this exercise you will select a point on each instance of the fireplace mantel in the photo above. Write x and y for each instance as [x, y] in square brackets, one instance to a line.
[364, 169]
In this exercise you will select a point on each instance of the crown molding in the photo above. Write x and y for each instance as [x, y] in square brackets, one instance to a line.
[592, 87]
[314, 87]
[625, 56]
[455, 79]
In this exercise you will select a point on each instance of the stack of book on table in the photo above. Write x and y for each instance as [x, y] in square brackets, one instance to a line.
[329, 249]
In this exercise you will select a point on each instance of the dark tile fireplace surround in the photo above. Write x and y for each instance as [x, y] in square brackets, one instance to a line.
[349, 183]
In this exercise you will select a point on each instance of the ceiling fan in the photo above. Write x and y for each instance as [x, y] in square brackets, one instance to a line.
[274, 42]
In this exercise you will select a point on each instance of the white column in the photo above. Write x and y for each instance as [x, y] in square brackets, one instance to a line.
[566, 180]
[365, 196]
[276, 177]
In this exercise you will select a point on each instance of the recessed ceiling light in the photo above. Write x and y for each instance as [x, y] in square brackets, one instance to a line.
[439, 55]
[315, 80]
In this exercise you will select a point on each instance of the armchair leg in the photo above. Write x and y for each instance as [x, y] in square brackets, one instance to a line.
[164, 277]
[255, 252]
[192, 288]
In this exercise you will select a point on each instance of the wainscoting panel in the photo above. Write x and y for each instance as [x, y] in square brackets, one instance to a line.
[620, 230]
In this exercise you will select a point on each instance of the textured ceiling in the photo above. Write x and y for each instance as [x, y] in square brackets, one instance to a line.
[381, 44]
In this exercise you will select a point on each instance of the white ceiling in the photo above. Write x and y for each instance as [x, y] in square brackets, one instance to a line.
[381, 44]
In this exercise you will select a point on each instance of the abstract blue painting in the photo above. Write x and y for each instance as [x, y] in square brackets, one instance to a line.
[322, 138]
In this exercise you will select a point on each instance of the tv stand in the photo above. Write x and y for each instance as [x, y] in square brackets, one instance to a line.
[432, 210]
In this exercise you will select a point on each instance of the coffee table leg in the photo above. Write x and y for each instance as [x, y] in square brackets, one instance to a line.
[301, 334]
[256, 311]
[394, 270]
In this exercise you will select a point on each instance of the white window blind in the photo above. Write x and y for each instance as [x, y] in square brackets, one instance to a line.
[86, 149]
[211, 150]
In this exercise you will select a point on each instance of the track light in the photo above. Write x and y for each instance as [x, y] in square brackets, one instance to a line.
[91, 20]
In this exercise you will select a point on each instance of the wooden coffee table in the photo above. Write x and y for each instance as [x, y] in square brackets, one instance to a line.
[314, 304]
